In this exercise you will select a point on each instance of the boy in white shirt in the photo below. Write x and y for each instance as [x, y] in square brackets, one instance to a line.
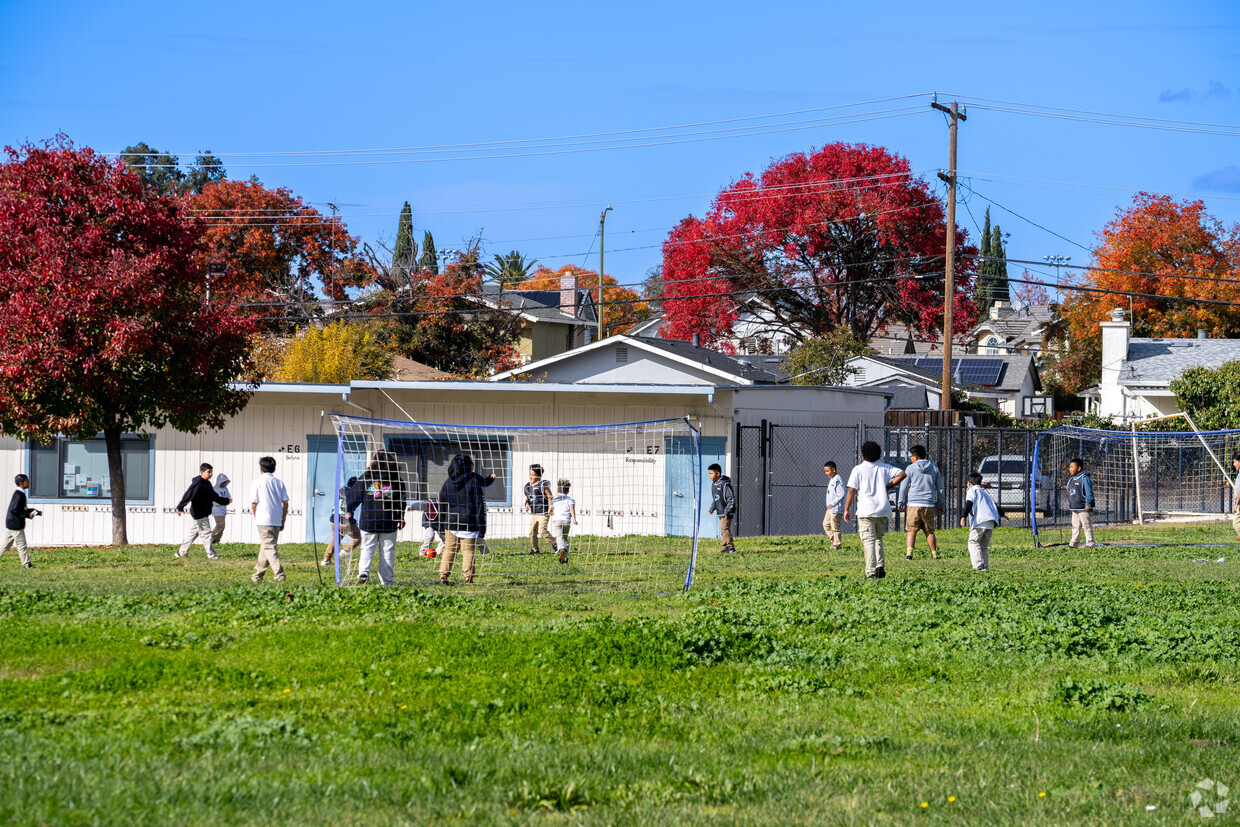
[269, 504]
[833, 520]
[563, 511]
[868, 485]
[982, 516]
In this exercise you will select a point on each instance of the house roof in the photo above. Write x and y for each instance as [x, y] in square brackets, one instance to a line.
[1016, 327]
[408, 370]
[651, 328]
[741, 370]
[893, 340]
[1158, 361]
[1012, 374]
[539, 305]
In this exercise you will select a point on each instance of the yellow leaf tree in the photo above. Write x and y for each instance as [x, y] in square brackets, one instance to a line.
[335, 353]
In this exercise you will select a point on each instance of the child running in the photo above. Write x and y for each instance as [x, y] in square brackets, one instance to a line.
[982, 516]
[563, 511]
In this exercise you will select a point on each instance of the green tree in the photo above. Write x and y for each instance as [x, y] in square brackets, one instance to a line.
[1211, 396]
[406, 253]
[430, 258]
[335, 354]
[510, 269]
[824, 360]
[992, 276]
[162, 170]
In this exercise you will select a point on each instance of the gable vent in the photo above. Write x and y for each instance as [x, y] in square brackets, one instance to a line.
[622, 353]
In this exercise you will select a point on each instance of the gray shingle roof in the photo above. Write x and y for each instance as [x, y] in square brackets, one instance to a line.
[764, 370]
[543, 305]
[1161, 360]
[1011, 378]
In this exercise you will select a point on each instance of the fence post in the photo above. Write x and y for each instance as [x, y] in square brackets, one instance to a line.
[765, 450]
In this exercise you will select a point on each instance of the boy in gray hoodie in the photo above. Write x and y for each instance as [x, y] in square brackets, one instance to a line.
[921, 495]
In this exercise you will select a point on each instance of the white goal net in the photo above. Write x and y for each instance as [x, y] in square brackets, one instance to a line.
[1149, 487]
[596, 507]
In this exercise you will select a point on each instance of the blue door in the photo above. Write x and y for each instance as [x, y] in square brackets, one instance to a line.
[683, 472]
[321, 488]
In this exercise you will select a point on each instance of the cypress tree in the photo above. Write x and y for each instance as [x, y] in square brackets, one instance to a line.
[984, 293]
[430, 259]
[406, 250]
[999, 287]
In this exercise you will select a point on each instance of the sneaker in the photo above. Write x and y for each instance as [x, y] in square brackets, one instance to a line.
[872, 576]
[934, 555]
[880, 572]
[836, 548]
[180, 554]
[1090, 545]
[362, 578]
[908, 556]
[1071, 545]
[469, 580]
[213, 557]
[27, 565]
[535, 551]
[443, 581]
[325, 563]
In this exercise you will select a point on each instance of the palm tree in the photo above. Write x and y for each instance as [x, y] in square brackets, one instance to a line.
[509, 269]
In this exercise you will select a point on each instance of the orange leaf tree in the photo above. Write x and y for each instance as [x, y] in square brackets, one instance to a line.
[1158, 246]
[622, 308]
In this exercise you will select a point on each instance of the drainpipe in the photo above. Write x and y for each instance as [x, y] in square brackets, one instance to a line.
[350, 403]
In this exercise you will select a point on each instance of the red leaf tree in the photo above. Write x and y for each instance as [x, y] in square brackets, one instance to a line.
[842, 237]
[106, 329]
[275, 248]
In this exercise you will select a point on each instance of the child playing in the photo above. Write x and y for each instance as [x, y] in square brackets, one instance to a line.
[537, 501]
[429, 535]
[15, 521]
[1080, 503]
[563, 510]
[982, 516]
[201, 498]
[833, 520]
[921, 494]
[723, 503]
[868, 485]
[219, 511]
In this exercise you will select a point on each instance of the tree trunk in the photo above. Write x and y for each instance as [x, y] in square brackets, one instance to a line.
[116, 472]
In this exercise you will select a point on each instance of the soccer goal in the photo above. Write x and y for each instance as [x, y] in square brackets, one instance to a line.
[636, 489]
[1151, 487]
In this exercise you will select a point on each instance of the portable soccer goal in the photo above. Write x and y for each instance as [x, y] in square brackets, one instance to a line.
[1151, 487]
[636, 488]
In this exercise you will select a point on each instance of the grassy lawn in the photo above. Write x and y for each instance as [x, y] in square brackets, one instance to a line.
[1064, 686]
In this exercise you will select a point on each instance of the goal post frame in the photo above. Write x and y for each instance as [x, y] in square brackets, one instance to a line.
[1196, 432]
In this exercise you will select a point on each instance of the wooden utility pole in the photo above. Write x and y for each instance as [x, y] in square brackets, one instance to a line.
[949, 269]
[602, 222]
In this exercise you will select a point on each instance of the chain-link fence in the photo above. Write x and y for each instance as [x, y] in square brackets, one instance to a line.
[781, 488]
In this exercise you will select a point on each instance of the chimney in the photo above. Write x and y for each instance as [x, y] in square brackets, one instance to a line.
[1202, 334]
[697, 339]
[997, 309]
[1115, 336]
[569, 297]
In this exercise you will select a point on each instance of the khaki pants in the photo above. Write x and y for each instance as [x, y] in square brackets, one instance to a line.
[725, 534]
[218, 531]
[199, 529]
[833, 527]
[871, 530]
[979, 548]
[448, 554]
[17, 537]
[1082, 523]
[1235, 522]
[268, 553]
[538, 528]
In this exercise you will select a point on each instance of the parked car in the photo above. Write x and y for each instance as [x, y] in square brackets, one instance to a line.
[1006, 479]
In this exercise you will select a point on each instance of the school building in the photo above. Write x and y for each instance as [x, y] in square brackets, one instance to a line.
[291, 422]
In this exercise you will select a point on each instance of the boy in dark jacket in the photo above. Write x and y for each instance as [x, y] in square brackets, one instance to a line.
[723, 503]
[201, 498]
[15, 521]
[462, 515]
[1080, 503]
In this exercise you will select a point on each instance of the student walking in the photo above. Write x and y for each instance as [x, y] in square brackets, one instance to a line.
[201, 497]
[15, 521]
[462, 514]
[563, 512]
[269, 505]
[380, 496]
[538, 502]
[868, 485]
[921, 495]
[1080, 503]
[219, 511]
[723, 503]
[833, 520]
[982, 516]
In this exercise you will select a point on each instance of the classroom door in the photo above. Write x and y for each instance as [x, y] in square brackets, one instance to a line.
[682, 469]
[321, 488]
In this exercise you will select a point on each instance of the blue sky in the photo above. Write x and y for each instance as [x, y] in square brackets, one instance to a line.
[292, 77]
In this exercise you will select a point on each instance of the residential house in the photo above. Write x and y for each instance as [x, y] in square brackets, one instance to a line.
[1007, 331]
[1010, 384]
[1137, 372]
[550, 321]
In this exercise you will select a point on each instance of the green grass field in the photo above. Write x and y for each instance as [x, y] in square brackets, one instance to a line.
[1062, 687]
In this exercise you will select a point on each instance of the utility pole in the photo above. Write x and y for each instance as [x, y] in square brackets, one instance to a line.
[602, 221]
[949, 269]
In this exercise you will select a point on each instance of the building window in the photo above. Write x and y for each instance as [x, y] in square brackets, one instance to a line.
[426, 459]
[71, 469]
[622, 354]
